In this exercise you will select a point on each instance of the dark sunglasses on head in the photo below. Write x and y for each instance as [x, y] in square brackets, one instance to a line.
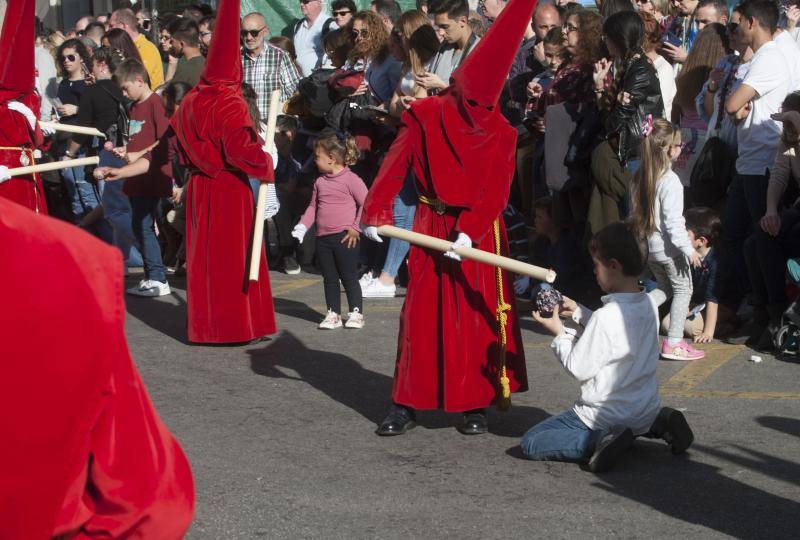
[341, 13]
[360, 33]
[69, 57]
[252, 33]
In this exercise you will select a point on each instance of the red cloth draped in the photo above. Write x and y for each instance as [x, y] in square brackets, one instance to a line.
[87, 454]
[448, 350]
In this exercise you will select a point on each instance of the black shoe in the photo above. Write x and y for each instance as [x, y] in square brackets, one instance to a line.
[609, 449]
[475, 423]
[399, 420]
[672, 426]
[290, 265]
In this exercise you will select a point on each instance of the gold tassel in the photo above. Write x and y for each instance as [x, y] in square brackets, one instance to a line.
[504, 399]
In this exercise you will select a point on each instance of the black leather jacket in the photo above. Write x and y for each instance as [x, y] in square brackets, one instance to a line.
[638, 79]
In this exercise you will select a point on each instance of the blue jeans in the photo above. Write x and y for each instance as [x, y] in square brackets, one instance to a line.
[143, 218]
[82, 194]
[405, 207]
[560, 438]
[117, 211]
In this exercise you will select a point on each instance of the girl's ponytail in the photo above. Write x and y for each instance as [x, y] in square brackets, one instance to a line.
[659, 135]
[340, 145]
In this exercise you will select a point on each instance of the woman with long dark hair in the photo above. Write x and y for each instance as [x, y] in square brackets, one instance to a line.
[636, 93]
[117, 38]
[75, 65]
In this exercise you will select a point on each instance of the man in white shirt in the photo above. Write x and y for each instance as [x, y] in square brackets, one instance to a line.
[308, 35]
[752, 104]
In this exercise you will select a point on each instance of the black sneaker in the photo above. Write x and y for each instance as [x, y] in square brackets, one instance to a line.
[610, 447]
[672, 427]
[290, 265]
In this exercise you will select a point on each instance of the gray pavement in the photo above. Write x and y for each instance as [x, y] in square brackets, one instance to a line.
[280, 437]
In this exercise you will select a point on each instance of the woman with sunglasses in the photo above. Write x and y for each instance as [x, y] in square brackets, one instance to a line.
[75, 66]
[164, 47]
[343, 12]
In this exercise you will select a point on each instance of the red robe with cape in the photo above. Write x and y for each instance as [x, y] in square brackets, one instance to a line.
[448, 353]
[85, 453]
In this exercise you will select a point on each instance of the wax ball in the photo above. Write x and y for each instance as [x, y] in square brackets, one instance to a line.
[546, 300]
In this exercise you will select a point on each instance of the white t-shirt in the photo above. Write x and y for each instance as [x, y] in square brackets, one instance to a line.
[308, 43]
[614, 355]
[758, 134]
[666, 79]
[791, 52]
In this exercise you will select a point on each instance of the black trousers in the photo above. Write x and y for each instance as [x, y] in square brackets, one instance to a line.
[338, 262]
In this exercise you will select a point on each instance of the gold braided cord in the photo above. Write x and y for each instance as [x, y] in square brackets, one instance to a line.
[504, 401]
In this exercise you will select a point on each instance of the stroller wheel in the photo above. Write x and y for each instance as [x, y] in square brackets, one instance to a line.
[786, 339]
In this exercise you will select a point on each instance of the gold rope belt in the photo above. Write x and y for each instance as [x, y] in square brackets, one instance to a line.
[438, 205]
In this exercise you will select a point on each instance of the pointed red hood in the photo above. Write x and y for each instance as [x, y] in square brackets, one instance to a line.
[483, 74]
[17, 67]
[224, 62]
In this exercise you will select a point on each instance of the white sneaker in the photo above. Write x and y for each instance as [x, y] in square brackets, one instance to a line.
[150, 287]
[354, 319]
[365, 280]
[331, 321]
[376, 289]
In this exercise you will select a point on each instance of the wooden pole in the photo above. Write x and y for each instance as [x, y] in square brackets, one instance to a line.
[438, 244]
[68, 128]
[258, 227]
[54, 166]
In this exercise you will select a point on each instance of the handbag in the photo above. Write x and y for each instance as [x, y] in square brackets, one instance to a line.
[715, 164]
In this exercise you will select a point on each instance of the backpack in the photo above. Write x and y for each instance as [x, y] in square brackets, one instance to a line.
[326, 27]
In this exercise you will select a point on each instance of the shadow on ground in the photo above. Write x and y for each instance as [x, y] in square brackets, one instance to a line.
[161, 314]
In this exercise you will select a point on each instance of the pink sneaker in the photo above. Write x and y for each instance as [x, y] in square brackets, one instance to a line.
[680, 351]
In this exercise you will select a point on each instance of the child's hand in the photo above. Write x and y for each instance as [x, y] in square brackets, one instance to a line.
[695, 260]
[552, 324]
[705, 337]
[121, 152]
[351, 238]
[568, 306]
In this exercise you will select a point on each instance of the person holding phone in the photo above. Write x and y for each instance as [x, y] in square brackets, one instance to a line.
[74, 63]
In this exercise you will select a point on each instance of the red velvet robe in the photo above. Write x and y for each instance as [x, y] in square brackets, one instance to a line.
[223, 149]
[16, 150]
[448, 348]
[85, 452]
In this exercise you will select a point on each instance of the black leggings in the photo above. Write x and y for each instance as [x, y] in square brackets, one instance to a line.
[338, 262]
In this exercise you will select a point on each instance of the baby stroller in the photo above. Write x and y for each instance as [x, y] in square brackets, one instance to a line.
[787, 338]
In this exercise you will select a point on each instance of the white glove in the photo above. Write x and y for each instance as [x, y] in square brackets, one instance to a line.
[299, 232]
[372, 233]
[47, 131]
[272, 205]
[462, 241]
[521, 285]
[25, 111]
[4, 174]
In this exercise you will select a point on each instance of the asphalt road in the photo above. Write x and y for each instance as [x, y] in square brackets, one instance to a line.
[280, 437]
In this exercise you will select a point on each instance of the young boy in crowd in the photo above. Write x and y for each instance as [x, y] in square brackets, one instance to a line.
[704, 230]
[286, 177]
[148, 122]
[614, 353]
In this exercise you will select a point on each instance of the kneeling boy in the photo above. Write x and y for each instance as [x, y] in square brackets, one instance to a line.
[614, 353]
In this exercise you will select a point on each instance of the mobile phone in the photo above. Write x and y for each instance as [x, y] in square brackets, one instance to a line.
[672, 39]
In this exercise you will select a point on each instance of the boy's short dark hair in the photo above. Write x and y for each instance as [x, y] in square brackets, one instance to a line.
[554, 36]
[763, 11]
[186, 30]
[287, 123]
[704, 222]
[544, 203]
[619, 241]
[344, 4]
[452, 8]
[129, 70]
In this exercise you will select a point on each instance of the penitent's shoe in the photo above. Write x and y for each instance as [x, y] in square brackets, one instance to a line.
[682, 350]
[608, 450]
[399, 420]
[474, 423]
[331, 321]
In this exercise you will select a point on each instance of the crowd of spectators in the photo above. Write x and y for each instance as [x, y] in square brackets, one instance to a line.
[585, 94]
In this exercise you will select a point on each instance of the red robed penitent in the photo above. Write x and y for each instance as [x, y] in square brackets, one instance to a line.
[84, 451]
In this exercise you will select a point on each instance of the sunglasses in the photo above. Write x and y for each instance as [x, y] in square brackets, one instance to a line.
[204, 34]
[165, 38]
[360, 33]
[341, 13]
[569, 28]
[251, 33]
[69, 57]
[732, 27]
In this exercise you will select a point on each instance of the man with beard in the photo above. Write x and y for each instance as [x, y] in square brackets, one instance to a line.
[185, 44]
